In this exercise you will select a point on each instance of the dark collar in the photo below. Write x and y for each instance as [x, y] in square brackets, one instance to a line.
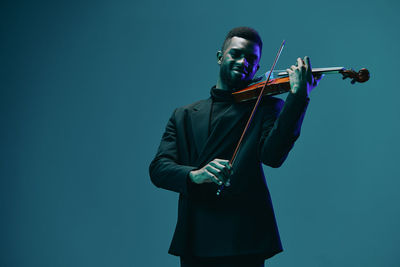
[220, 95]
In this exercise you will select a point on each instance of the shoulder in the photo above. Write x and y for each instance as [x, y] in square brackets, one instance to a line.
[193, 106]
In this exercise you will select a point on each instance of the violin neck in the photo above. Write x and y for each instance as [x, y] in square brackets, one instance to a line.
[330, 70]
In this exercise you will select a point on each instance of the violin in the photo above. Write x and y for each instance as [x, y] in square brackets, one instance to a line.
[281, 84]
[278, 86]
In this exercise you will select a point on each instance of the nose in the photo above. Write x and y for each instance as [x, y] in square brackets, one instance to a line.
[243, 61]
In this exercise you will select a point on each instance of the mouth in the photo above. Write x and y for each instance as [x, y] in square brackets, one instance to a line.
[241, 71]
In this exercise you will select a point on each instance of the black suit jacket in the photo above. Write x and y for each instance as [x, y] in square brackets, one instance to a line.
[241, 220]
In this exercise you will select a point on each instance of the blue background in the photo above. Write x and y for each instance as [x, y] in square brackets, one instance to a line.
[87, 88]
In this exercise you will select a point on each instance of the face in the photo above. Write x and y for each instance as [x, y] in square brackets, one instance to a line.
[239, 62]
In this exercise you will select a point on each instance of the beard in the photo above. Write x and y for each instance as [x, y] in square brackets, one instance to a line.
[234, 80]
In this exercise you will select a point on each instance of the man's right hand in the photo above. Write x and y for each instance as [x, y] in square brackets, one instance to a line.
[217, 171]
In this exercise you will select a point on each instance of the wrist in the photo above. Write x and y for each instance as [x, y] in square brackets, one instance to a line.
[191, 176]
[301, 91]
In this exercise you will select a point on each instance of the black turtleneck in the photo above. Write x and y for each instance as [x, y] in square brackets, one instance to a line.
[221, 101]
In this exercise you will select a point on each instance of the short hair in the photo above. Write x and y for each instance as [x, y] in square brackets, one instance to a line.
[244, 32]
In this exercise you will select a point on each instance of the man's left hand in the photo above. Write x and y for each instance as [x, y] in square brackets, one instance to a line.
[301, 79]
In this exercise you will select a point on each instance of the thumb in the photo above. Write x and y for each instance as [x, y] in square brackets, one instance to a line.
[308, 62]
[318, 78]
[309, 75]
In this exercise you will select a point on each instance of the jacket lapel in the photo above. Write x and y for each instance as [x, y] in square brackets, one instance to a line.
[199, 120]
[231, 121]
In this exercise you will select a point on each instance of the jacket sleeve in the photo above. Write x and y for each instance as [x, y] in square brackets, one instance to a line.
[281, 129]
[165, 170]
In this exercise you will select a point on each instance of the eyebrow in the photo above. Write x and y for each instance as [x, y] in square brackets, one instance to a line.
[241, 50]
[252, 55]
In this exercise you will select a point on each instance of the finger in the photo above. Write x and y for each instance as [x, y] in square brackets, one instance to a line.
[208, 180]
[216, 172]
[309, 75]
[308, 62]
[213, 178]
[289, 71]
[318, 78]
[223, 168]
[213, 170]
[218, 165]
[300, 63]
[293, 67]
[224, 162]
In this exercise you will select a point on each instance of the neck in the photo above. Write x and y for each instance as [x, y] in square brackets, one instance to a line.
[222, 85]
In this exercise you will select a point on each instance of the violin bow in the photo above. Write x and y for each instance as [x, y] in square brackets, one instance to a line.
[231, 162]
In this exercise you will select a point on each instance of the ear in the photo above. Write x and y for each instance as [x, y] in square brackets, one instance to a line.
[219, 57]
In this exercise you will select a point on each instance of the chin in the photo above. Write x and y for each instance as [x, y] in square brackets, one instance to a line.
[238, 84]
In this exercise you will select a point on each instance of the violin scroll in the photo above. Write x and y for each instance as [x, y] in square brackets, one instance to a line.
[361, 76]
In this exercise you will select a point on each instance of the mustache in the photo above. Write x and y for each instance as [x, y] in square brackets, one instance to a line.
[241, 69]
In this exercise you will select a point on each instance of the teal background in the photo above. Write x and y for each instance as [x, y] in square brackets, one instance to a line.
[87, 87]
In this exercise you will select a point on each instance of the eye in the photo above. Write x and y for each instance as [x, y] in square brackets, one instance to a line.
[252, 59]
[234, 53]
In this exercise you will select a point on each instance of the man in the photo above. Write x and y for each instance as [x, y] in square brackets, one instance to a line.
[237, 227]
